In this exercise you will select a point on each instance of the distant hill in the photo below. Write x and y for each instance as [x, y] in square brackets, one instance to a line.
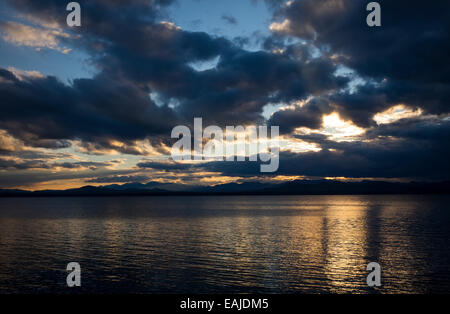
[299, 187]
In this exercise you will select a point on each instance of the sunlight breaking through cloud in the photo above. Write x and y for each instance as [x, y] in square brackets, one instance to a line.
[338, 129]
[396, 113]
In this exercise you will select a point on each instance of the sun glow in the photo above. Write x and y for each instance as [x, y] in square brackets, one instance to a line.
[338, 129]
[396, 113]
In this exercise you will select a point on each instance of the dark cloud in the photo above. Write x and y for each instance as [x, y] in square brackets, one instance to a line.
[381, 159]
[244, 82]
[435, 131]
[45, 164]
[166, 166]
[14, 164]
[46, 112]
[411, 42]
[409, 148]
[235, 91]
[136, 54]
[27, 177]
[309, 115]
[119, 179]
[409, 50]
[370, 98]
[229, 19]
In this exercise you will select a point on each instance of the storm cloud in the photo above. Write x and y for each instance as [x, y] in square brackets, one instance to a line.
[319, 58]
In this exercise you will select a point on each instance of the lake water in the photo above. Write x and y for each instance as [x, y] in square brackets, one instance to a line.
[225, 244]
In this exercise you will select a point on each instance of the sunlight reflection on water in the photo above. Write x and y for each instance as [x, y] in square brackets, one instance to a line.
[274, 244]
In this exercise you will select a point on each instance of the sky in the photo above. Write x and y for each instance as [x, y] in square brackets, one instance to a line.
[96, 104]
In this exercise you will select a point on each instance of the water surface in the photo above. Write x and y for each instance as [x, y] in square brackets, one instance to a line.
[225, 244]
